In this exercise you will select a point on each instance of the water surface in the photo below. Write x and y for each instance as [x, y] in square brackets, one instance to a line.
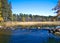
[29, 36]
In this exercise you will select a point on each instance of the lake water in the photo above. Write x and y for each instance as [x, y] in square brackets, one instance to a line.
[29, 36]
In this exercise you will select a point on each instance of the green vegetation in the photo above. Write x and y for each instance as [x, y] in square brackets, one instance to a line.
[6, 13]
[30, 17]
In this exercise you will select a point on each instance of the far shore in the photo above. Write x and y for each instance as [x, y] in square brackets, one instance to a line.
[16, 23]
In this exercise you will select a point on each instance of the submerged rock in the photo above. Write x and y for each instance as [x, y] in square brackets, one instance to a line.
[57, 34]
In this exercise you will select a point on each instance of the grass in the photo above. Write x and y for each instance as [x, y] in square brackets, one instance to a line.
[2, 23]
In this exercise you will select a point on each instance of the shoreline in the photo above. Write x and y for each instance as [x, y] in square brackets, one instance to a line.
[9, 24]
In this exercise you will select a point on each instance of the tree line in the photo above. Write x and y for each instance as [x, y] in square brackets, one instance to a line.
[30, 17]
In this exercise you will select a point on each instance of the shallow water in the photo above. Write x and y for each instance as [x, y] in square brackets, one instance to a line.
[29, 36]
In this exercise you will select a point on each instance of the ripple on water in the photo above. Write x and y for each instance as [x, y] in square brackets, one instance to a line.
[30, 36]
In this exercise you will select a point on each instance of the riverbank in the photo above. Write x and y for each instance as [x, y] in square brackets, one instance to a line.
[9, 30]
[9, 24]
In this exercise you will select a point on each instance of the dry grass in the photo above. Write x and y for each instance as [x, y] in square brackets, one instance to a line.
[31, 23]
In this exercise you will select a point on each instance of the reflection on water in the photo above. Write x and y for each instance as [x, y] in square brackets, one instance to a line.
[4, 38]
[29, 36]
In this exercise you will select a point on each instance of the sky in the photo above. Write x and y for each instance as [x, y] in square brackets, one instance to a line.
[35, 7]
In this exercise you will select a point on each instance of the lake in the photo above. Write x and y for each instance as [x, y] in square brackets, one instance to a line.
[29, 36]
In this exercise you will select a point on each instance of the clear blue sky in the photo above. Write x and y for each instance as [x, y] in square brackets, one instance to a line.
[35, 7]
